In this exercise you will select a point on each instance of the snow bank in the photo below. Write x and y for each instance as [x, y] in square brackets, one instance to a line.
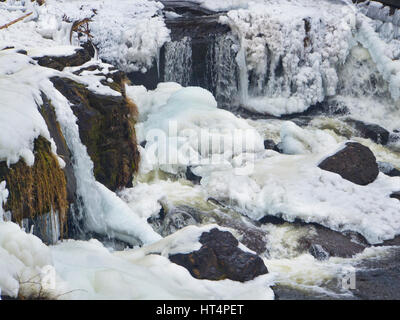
[20, 119]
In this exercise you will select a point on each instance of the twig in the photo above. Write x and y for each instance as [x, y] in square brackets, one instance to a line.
[15, 21]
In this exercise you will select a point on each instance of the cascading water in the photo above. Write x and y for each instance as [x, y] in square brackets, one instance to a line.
[219, 67]
[103, 212]
[178, 61]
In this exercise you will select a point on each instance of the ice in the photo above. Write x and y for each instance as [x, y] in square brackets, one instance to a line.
[292, 52]
[22, 256]
[3, 198]
[295, 140]
[189, 129]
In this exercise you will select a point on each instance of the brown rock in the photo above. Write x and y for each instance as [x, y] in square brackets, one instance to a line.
[355, 163]
[220, 258]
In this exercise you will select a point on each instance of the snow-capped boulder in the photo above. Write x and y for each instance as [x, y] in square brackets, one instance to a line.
[220, 257]
[355, 163]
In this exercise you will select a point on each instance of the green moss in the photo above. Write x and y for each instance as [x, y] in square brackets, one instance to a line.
[107, 129]
[35, 190]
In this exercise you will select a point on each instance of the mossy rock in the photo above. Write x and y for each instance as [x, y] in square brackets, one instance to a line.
[106, 128]
[36, 190]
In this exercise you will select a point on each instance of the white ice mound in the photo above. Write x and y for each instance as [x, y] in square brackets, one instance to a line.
[189, 129]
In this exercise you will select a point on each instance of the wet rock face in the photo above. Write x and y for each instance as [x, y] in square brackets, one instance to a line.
[388, 169]
[172, 219]
[271, 145]
[392, 3]
[325, 243]
[106, 129]
[370, 131]
[355, 163]
[220, 258]
[37, 191]
[80, 57]
[395, 195]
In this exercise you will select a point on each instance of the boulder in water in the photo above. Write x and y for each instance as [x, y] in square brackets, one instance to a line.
[220, 258]
[370, 131]
[355, 163]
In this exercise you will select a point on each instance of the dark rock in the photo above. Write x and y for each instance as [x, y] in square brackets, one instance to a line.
[106, 128]
[378, 279]
[191, 176]
[355, 163]
[220, 258]
[187, 8]
[80, 57]
[171, 219]
[319, 239]
[143, 144]
[388, 169]
[370, 131]
[392, 3]
[324, 243]
[318, 252]
[395, 195]
[271, 145]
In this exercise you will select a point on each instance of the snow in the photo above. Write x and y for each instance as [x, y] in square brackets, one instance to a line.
[87, 270]
[292, 186]
[22, 256]
[128, 34]
[20, 119]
